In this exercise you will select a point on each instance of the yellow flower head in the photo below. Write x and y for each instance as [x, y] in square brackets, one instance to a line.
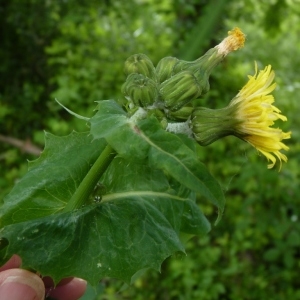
[254, 109]
[249, 116]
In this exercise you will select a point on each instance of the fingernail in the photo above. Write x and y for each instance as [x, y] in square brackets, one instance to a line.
[20, 288]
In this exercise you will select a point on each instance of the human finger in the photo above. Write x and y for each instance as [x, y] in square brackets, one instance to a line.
[68, 289]
[14, 262]
[18, 284]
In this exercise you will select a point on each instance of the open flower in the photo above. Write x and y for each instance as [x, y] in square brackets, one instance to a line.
[249, 116]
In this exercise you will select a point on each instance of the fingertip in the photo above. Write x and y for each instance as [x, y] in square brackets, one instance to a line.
[14, 262]
[68, 289]
[20, 284]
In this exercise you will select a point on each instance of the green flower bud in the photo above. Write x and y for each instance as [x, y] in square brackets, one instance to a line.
[164, 123]
[182, 114]
[179, 90]
[209, 125]
[183, 65]
[164, 68]
[141, 90]
[141, 64]
[203, 66]
[131, 80]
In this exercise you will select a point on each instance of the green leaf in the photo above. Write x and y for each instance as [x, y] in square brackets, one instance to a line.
[169, 153]
[136, 226]
[109, 118]
[146, 139]
[137, 178]
[147, 204]
[111, 122]
[113, 239]
[72, 112]
[52, 178]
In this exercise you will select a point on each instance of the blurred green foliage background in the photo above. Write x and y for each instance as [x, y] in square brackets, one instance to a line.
[74, 51]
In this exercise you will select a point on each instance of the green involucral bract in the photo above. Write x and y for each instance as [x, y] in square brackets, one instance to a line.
[140, 64]
[141, 90]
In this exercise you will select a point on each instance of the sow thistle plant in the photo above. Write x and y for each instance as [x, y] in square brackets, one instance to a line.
[124, 195]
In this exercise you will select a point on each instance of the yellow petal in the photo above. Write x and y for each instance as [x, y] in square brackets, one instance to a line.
[257, 115]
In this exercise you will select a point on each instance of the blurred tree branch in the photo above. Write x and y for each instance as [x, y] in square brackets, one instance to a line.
[24, 146]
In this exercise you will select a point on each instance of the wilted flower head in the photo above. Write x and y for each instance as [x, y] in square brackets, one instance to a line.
[234, 41]
[249, 116]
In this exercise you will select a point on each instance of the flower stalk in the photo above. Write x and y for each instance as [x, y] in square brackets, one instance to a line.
[86, 187]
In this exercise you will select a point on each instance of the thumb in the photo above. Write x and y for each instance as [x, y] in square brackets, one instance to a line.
[18, 284]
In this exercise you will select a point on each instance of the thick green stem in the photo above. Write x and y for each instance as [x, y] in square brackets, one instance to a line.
[87, 185]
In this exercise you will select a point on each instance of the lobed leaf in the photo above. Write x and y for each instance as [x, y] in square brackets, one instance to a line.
[52, 178]
[111, 122]
[135, 226]
[171, 154]
[146, 139]
[113, 239]
[148, 200]
[138, 178]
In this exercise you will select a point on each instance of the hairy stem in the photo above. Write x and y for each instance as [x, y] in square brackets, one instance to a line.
[87, 185]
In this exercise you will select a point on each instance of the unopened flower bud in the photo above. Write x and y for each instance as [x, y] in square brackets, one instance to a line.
[164, 68]
[141, 90]
[140, 64]
[179, 90]
[181, 114]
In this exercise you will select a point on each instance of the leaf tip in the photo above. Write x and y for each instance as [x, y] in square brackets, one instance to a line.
[220, 214]
[72, 113]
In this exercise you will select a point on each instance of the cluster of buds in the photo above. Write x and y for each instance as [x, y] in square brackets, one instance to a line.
[141, 90]
[168, 90]
[140, 87]
[174, 83]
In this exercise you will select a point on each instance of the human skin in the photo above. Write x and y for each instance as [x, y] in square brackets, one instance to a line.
[19, 284]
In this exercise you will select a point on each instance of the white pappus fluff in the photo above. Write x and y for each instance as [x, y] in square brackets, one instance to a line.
[138, 115]
[181, 127]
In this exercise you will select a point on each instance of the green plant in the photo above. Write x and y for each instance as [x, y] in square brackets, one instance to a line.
[123, 196]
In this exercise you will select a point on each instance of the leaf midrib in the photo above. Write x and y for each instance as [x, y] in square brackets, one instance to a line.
[120, 195]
